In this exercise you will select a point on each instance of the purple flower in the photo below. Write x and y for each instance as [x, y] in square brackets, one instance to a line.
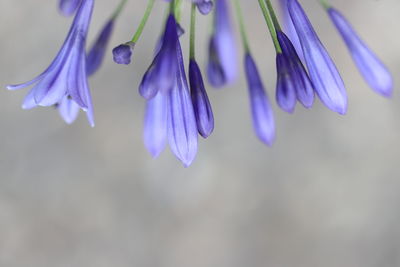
[122, 54]
[292, 69]
[155, 125]
[201, 103]
[160, 76]
[323, 72]
[96, 54]
[68, 109]
[66, 76]
[68, 7]
[182, 127]
[204, 6]
[372, 69]
[263, 118]
[222, 66]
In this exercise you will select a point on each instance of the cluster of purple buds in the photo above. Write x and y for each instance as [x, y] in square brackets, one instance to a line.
[178, 108]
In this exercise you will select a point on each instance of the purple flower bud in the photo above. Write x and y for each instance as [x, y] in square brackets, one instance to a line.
[122, 54]
[289, 28]
[297, 73]
[204, 6]
[182, 128]
[222, 66]
[262, 115]
[372, 69]
[160, 76]
[201, 103]
[68, 7]
[96, 53]
[155, 125]
[66, 75]
[323, 72]
[285, 89]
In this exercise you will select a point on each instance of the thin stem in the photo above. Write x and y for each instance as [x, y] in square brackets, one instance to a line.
[178, 9]
[273, 15]
[270, 25]
[242, 28]
[146, 15]
[192, 31]
[119, 9]
[325, 4]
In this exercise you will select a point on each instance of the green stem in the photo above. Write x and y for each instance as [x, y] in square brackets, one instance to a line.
[178, 9]
[325, 4]
[242, 28]
[146, 15]
[192, 31]
[119, 9]
[270, 25]
[273, 15]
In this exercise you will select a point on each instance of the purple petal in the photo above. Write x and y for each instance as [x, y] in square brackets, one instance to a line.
[182, 129]
[285, 89]
[289, 27]
[222, 54]
[372, 69]
[302, 84]
[201, 103]
[204, 6]
[323, 72]
[68, 110]
[96, 53]
[68, 7]
[155, 125]
[262, 115]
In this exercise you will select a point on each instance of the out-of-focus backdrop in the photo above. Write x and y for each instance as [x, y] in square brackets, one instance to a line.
[326, 194]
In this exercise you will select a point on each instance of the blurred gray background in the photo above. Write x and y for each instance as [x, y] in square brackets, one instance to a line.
[326, 194]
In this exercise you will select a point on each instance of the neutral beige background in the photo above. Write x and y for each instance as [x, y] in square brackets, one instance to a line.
[326, 194]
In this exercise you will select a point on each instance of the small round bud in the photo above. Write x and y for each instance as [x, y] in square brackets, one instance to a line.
[122, 54]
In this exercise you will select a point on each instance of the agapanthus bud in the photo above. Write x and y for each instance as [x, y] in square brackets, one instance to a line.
[323, 72]
[66, 75]
[201, 103]
[204, 6]
[285, 89]
[68, 7]
[262, 115]
[297, 73]
[96, 53]
[122, 54]
[222, 66]
[372, 69]
[182, 127]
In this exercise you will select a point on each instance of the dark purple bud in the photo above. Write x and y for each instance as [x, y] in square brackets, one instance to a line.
[96, 53]
[372, 69]
[155, 125]
[323, 72]
[262, 115]
[298, 74]
[66, 75]
[222, 66]
[182, 127]
[285, 92]
[122, 54]
[201, 103]
[68, 7]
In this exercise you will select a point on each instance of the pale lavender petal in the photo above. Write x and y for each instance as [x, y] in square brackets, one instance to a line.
[155, 125]
[372, 69]
[68, 109]
[68, 7]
